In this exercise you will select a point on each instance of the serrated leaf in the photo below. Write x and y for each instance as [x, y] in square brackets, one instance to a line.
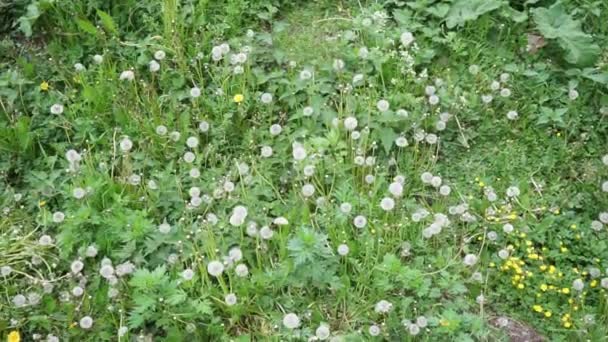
[387, 136]
[555, 23]
[107, 22]
[467, 10]
[86, 26]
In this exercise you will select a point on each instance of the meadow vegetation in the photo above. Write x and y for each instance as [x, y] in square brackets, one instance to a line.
[273, 170]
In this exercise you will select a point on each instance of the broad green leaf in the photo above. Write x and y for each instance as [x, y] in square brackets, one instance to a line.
[555, 23]
[86, 26]
[107, 22]
[466, 10]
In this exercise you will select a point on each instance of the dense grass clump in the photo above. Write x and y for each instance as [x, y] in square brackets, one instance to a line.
[275, 170]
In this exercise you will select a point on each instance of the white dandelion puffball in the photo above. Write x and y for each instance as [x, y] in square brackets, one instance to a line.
[195, 92]
[153, 66]
[426, 177]
[79, 193]
[305, 74]
[383, 306]
[503, 254]
[309, 170]
[241, 270]
[275, 129]
[308, 190]
[291, 321]
[266, 151]
[436, 181]
[363, 52]
[322, 332]
[57, 109]
[235, 254]
[308, 111]
[164, 228]
[350, 123]
[470, 259]
[215, 268]
[338, 64]
[360, 221]
[203, 126]
[433, 100]
[230, 299]
[346, 207]
[79, 67]
[266, 233]
[6, 270]
[414, 329]
[122, 331]
[422, 322]
[280, 221]
[161, 130]
[605, 160]
[406, 38]
[127, 75]
[77, 291]
[573, 94]
[396, 189]
[159, 55]
[605, 186]
[474, 69]
[299, 153]
[507, 228]
[504, 77]
[603, 217]
[73, 156]
[126, 145]
[387, 204]
[86, 322]
[505, 92]
[597, 225]
[188, 274]
[429, 90]
[512, 115]
[266, 98]
[578, 285]
[97, 59]
[374, 330]
[495, 85]
[76, 266]
[358, 78]
[513, 191]
[445, 190]
[91, 251]
[58, 217]
[192, 142]
[189, 157]
[343, 249]
[401, 142]
[106, 271]
[382, 105]
[487, 98]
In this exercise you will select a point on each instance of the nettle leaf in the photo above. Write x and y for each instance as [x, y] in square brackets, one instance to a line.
[86, 26]
[107, 22]
[555, 23]
[467, 10]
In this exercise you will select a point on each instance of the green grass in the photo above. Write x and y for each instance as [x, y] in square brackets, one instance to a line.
[161, 284]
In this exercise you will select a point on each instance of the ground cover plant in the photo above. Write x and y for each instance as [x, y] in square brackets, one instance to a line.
[304, 171]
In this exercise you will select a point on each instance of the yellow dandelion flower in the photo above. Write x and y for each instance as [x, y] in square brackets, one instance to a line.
[567, 325]
[44, 86]
[238, 98]
[520, 286]
[537, 308]
[565, 290]
[548, 314]
[13, 336]
[543, 287]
